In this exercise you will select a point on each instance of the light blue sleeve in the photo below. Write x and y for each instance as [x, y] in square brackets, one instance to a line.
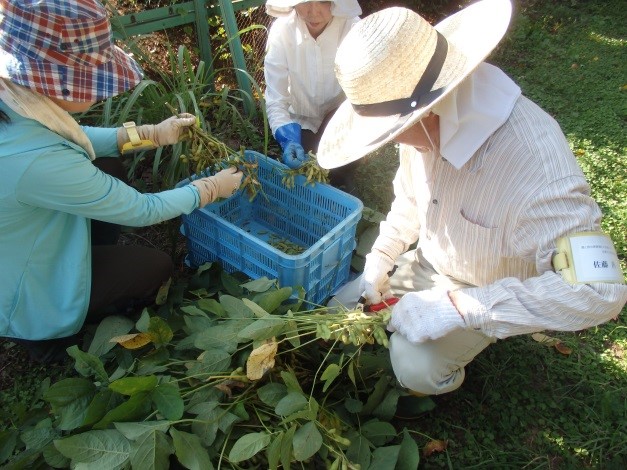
[104, 140]
[62, 179]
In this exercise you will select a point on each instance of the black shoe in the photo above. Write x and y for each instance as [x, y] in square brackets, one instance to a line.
[49, 351]
[411, 406]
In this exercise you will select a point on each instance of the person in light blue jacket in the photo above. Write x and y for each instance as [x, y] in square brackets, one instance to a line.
[59, 211]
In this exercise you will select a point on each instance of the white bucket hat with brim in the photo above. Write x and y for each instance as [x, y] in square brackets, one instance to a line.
[394, 67]
[340, 8]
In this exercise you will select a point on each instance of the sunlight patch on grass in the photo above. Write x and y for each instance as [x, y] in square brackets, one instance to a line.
[602, 39]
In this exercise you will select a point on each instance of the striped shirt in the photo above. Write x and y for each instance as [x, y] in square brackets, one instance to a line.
[494, 223]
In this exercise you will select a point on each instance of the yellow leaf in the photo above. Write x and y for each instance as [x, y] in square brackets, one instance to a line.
[261, 360]
[132, 340]
[434, 446]
[544, 339]
[563, 349]
[162, 294]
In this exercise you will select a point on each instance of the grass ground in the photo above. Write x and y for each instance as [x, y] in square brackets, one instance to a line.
[523, 405]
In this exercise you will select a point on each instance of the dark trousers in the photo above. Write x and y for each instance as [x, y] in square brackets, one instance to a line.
[343, 177]
[125, 278]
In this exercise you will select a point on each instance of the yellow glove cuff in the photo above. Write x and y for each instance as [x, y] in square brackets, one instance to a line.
[135, 143]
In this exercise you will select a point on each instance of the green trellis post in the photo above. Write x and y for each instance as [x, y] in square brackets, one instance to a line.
[196, 12]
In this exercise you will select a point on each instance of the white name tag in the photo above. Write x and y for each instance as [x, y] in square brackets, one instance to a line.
[587, 257]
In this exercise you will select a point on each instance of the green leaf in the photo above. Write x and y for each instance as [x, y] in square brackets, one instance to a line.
[193, 311]
[143, 323]
[248, 445]
[286, 447]
[292, 333]
[151, 451]
[133, 385]
[387, 408]
[307, 441]
[261, 284]
[329, 375]
[70, 400]
[235, 308]
[197, 324]
[54, 458]
[211, 361]
[264, 328]
[39, 437]
[109, 327]
[256, 309]
[133, 431]
[8, 441]
[189, 451]
[87, 364]
[359, 450]
[231, 284]
[160, 331]
[290, 380]
[409, 454]
[378, 432]
[270, 301]
[222, 336]
[352, 405]
[376, 396]
[351, 373]
[206, 425]
[291, 403]
[273, 452]
[104, 449]
[212, 306]
[168, 400]
[385, 458]
[135, 408]
[227, 421]
[271, 393]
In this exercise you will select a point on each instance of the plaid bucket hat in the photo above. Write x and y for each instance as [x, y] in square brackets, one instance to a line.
[394, 67]
[63, 49]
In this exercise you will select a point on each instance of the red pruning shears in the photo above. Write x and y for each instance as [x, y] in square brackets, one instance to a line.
[387, 303]
[371, 308]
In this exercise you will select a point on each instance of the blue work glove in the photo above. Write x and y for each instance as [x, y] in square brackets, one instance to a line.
[288, 137]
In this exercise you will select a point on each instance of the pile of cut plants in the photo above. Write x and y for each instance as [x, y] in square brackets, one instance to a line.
[222, 372]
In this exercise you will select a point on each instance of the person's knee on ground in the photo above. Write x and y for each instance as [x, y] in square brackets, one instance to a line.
[420, 370]
[126, 278]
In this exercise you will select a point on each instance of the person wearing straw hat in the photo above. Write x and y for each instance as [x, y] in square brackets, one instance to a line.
[508, 237]
[301, 89]
[59, 211]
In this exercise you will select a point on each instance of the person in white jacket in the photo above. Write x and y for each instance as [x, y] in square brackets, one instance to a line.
[509, 239]
[302, 92]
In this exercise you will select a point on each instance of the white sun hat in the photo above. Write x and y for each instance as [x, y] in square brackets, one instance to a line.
[394, 67]
[341, 8]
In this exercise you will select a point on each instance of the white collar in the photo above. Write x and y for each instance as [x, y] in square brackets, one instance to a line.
[473, 111]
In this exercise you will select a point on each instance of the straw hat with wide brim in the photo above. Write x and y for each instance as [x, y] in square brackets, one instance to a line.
[63, 49]
[394, 67]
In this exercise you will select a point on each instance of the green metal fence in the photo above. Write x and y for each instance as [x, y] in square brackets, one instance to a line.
[235, 16]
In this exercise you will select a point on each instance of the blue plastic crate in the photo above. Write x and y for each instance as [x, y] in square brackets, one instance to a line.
[319, 218]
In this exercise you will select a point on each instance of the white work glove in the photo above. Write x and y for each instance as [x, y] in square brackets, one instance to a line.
[375, 281]
[222, 184]
[167, 132]
[428, 314]
[133, 138]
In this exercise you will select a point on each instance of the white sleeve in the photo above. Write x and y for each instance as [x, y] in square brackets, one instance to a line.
[277, 95]
[401, 227]
[512, 306]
